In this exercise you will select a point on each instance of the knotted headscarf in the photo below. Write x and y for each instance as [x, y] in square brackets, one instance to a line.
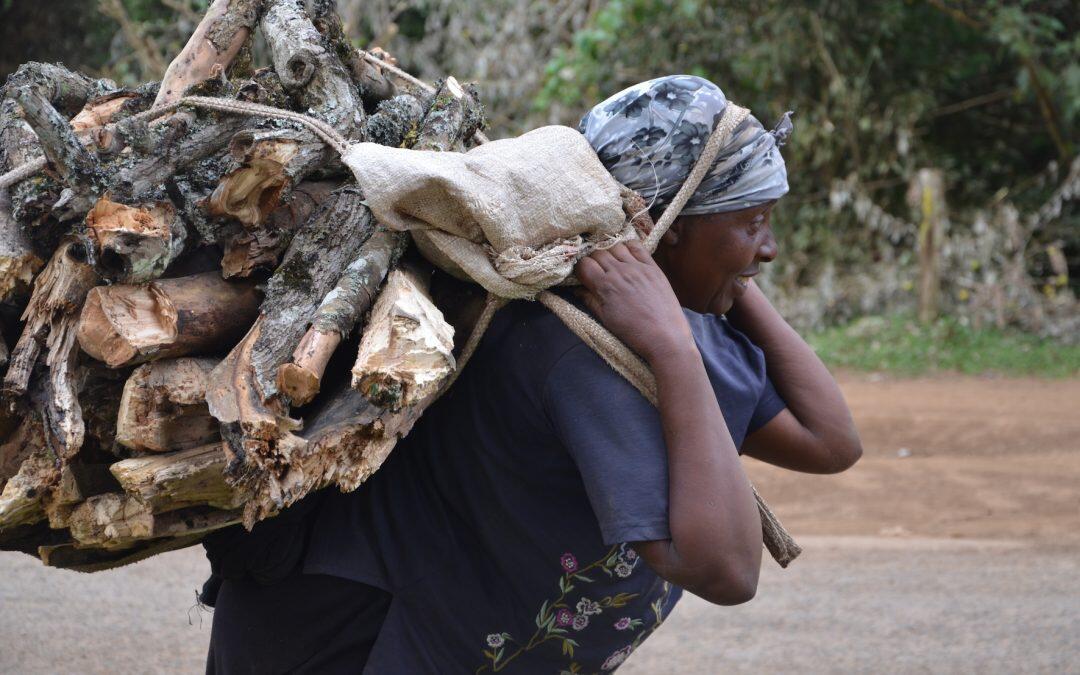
[650, 135]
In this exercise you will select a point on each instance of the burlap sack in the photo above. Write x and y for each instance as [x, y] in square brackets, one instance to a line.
[513, 215]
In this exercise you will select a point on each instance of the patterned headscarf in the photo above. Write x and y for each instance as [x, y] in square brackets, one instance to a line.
[650, 135]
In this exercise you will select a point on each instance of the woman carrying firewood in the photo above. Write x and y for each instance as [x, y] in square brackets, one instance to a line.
[543, 516]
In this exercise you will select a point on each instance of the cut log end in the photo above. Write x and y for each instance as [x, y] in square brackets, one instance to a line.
[135, 243]
[406, 351]
[163, 407]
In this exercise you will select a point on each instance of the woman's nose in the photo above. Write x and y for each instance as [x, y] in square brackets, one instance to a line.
[768, 250]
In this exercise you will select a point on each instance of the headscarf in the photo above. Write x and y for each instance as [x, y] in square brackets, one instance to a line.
[650, 135]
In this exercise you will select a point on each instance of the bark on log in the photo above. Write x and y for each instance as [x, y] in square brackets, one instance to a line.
[18, 262]
[70, 556]
[310, 70]
[340, 310]
[64, 423]
[59, 291]
[319, 251]
[454, 117]
[163, 407]
[192, 477]
[217, 40]
[407, 348]
[263, 247]
[129, 324]
[134, 244]
[58, 140]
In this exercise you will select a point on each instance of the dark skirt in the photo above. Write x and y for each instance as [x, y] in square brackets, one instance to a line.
[306, 623]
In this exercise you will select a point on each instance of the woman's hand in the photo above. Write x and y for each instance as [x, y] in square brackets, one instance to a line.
[630, 295]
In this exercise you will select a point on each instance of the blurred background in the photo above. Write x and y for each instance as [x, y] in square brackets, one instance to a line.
[930, 252]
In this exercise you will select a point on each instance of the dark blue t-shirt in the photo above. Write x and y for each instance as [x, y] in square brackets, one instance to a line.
[500, 523]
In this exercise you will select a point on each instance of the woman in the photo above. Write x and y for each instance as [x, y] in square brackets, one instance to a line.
[543, 517]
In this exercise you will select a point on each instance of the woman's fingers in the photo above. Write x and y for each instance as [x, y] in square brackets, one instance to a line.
[589, 272]
[638, 251]
[604, 259]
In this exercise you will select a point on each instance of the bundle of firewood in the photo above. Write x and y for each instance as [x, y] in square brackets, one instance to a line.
[206, 321]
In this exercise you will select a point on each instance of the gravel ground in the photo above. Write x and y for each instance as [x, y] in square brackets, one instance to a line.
[849, 605]
[953, 547]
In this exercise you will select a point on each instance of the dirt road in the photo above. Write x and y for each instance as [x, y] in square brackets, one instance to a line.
[954, 546]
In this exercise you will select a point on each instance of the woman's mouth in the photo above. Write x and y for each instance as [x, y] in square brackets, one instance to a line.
[743, 281]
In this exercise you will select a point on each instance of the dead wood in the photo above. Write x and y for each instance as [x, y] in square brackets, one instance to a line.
[22, 499]
[163, 407]
[339, 311]
[269, 162]
[217, 40]
[192, 477]
[71, 556]
[18, 262]
[309, 68]
[407, 348]
[27, 438]
[129, 324]
[262, 247]
[133, 244]
[58, 294]
[117, 520]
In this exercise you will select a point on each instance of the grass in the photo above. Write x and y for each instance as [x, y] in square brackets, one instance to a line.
[899, 344]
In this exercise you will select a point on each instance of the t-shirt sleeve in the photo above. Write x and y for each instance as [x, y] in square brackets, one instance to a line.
[615, 437]
[769, 406]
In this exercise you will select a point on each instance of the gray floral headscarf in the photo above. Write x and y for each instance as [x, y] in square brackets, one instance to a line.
[650, 135]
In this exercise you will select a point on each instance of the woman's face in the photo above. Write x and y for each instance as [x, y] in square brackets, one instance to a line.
[710, 258]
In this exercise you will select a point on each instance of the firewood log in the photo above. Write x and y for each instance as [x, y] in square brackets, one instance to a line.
[407, 348]
[192, 477]
[163, 406]
[128, 324]
[57, 296]
[116, 521]
[223, 31]
[72, 556]
[22, 499]
[134, 244]
[262, 247]
[339, 311]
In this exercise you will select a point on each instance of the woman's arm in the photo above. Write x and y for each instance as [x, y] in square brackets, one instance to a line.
[816, 433]
[715, 545]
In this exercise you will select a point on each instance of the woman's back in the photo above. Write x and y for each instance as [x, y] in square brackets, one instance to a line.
[519, 490]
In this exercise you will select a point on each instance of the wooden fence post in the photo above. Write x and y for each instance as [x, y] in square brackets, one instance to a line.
[927, 197]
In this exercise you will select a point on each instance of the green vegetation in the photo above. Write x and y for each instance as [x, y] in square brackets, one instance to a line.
[899, 344]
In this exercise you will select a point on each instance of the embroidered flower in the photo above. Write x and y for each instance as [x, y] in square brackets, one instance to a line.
[580, 621]
[623, 623]
[616, 659]
[629, 554]
[568, 562]
[586, 606]
[496, 640]
[623, 569]
[564, 617]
